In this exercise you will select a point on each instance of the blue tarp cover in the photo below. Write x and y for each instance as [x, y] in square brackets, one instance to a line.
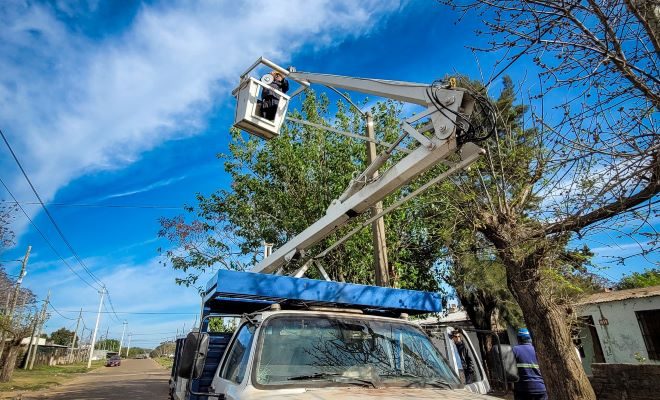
[238, 292]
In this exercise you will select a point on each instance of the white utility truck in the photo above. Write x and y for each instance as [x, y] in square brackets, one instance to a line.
[302, 338]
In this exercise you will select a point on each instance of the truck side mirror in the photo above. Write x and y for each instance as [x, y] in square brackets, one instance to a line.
[202, 351]
[193, 355]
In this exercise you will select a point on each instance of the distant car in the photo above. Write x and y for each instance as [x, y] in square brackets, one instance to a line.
[113, 361]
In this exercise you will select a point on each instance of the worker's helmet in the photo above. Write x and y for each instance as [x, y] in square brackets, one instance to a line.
[523, 334]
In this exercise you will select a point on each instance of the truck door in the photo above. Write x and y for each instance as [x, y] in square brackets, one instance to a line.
[467, 364]
[232, 375]
[479, 383]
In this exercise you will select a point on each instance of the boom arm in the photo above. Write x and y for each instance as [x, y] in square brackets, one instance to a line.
[402, 91]
[361, 195]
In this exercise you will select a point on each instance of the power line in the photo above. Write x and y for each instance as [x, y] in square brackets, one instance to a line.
[112, 307]
[52, 220]
[46, 239]
[59, 313]
[132, 312]
[114, 314]
[149, 334]
[82, 205]
[57, 228]
[50, 217]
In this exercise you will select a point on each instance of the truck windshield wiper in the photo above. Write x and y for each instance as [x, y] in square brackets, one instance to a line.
[336, 377]
[425, 381]
[438, 383]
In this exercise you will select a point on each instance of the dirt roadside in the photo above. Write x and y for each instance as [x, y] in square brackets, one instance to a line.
[134, 379]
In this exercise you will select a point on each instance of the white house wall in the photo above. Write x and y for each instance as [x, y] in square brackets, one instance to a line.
[621, 338]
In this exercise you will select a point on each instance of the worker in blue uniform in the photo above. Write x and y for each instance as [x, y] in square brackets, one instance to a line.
[530, 385]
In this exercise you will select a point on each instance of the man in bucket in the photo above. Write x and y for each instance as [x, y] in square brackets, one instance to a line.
[269, 99]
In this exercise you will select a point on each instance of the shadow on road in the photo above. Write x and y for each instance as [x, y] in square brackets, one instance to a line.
[134, 380]
[149, 388]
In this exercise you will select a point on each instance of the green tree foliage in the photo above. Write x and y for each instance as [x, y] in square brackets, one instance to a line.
[472, 263]
[165, 349]
[14, 328]
[598, 164]
[136, 351]
[7, 212]
[107, 344]
[62, 336]
[281, 186]
[222, 325]
[650, 277]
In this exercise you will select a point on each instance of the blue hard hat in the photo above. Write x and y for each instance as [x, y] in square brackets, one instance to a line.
[523, 333]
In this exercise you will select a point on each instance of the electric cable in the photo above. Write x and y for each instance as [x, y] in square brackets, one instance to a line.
[43, 236]
[59, 313]
[85, 205]
[48, 214]
[483, 107]
[113, 314]
[52, 220]
[112, 307]
[131, 312]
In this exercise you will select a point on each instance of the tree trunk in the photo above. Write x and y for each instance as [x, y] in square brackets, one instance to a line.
[562, 370]
[9, 361]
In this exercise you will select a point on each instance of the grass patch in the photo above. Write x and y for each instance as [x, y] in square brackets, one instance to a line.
[42, 376]
[166, 362]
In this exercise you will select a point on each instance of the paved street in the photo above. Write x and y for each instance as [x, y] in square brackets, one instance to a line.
[134, 379]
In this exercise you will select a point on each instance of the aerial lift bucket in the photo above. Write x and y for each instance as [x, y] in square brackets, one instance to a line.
[248, 109]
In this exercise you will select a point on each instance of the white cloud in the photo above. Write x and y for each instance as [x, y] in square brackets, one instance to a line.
[155, 185]
[72, 105]
[134, 288]
[621, 249]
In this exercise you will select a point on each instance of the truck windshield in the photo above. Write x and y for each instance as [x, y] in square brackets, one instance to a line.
[297, 350]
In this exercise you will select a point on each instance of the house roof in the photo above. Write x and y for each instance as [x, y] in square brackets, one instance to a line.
[458, 316]
[619, 295]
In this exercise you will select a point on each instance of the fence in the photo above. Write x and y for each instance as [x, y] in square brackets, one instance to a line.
[626, 381]
[50, 355]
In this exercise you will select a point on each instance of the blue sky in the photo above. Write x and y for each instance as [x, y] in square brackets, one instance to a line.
[127, 103]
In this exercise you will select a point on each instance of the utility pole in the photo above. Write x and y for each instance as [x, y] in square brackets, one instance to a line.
[41, 322]
[106, 344]
[96, 328]
[81, 340]
[75, 333]
[29, 349]
[122, 337]
[128, 349]
[378, 226]
[17, 290]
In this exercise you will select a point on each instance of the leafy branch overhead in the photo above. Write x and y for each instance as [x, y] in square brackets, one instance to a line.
[596, 170]
[282, 186]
